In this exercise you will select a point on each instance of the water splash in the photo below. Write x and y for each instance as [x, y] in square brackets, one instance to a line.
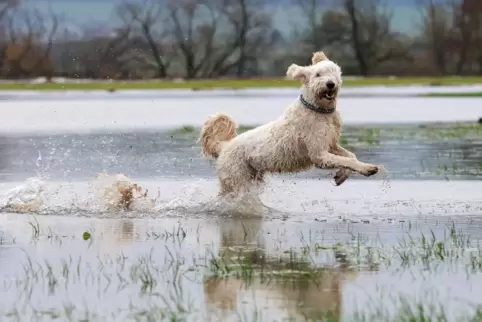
[28, 197]
[118, 194]
[383, 172]
[194, 200]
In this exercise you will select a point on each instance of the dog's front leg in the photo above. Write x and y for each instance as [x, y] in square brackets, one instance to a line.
[327, 160]
[343, 173]
[339, 150]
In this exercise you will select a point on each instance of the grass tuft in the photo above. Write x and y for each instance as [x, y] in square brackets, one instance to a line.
[184, 130]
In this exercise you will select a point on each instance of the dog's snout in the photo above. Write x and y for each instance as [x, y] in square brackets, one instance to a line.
[330, 84]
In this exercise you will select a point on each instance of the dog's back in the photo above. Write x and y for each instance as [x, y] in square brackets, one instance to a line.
[273, 147]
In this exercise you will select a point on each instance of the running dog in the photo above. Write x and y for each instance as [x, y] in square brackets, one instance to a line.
[307, 134]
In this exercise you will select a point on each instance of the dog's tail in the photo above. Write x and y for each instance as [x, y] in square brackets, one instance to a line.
[217, 130]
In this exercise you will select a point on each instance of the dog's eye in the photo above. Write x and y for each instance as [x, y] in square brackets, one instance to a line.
[318, 75]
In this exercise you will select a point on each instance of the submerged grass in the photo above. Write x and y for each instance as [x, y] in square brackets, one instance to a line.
[161, 284]
[244, 128]
[183, 130]
[235, 83]
[188, 130]
[372, 136]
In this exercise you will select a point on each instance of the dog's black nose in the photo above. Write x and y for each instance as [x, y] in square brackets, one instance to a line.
[330, 84]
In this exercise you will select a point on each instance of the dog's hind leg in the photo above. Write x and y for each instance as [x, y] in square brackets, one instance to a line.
[238, 179]
[234, 187]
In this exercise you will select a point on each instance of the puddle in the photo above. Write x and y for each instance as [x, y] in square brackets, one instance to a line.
[405, 248]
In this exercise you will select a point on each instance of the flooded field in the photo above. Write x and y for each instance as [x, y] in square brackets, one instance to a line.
[434, 151]
[400, 247]
[93, 114]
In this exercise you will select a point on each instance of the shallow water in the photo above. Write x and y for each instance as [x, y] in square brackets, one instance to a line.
[133, 269]
[101, 114]
[312, 250]
[448, 152]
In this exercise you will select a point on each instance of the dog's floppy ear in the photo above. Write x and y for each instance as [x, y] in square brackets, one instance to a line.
[300, 73]
[318, 56]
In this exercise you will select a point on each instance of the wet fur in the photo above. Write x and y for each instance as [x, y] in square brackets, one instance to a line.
[298, 140]
[123, 193]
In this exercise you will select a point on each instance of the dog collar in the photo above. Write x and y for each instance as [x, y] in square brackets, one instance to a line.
[312, 107]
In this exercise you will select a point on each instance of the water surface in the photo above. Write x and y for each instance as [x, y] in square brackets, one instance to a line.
[372, 248]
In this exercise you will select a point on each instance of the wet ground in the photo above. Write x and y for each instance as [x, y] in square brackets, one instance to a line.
[374, 249]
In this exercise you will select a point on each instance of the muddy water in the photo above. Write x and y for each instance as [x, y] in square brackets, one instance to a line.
[185, 256]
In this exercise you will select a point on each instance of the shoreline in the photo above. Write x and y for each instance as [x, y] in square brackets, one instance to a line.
[448, 91]
[62, 84]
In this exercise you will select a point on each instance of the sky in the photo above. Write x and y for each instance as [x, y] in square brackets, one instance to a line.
[92, 12]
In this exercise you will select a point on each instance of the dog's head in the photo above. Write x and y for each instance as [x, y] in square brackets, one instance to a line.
[321, 81]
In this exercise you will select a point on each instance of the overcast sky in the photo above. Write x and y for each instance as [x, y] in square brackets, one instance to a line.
[90, 12]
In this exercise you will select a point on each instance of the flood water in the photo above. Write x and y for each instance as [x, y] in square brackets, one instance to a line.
[315, 252]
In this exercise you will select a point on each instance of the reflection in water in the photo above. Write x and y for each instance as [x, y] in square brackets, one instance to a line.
[124, 232]
[259, 285]
[287, 283]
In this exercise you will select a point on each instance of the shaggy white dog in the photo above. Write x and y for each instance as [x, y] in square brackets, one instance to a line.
[306, 135]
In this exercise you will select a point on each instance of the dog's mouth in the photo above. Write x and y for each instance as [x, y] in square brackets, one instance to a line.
[329, 95]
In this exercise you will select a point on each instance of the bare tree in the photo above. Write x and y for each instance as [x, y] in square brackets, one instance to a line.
[146, 16]
[372, 40]
[103, 56]
[251, 26]
[436, 26]
[30, 41]
[6, 6]
[461, 37]
[219, 37]
[472, 11]
[310, 10]
[194, 26]
[325, 28]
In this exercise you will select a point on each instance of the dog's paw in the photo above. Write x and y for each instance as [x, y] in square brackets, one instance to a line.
[369, 170]
[341, 176]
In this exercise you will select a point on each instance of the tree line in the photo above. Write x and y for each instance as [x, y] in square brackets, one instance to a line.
[157, 39]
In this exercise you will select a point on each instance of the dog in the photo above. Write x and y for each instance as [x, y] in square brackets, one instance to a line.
[307, 134]
[120, 193]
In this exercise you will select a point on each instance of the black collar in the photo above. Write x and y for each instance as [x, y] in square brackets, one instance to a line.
[312, 107]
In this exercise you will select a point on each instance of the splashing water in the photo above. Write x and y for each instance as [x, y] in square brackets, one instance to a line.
[110, 192]
[194, 200]
[383, 172]
[116, 193]
[28, 197]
